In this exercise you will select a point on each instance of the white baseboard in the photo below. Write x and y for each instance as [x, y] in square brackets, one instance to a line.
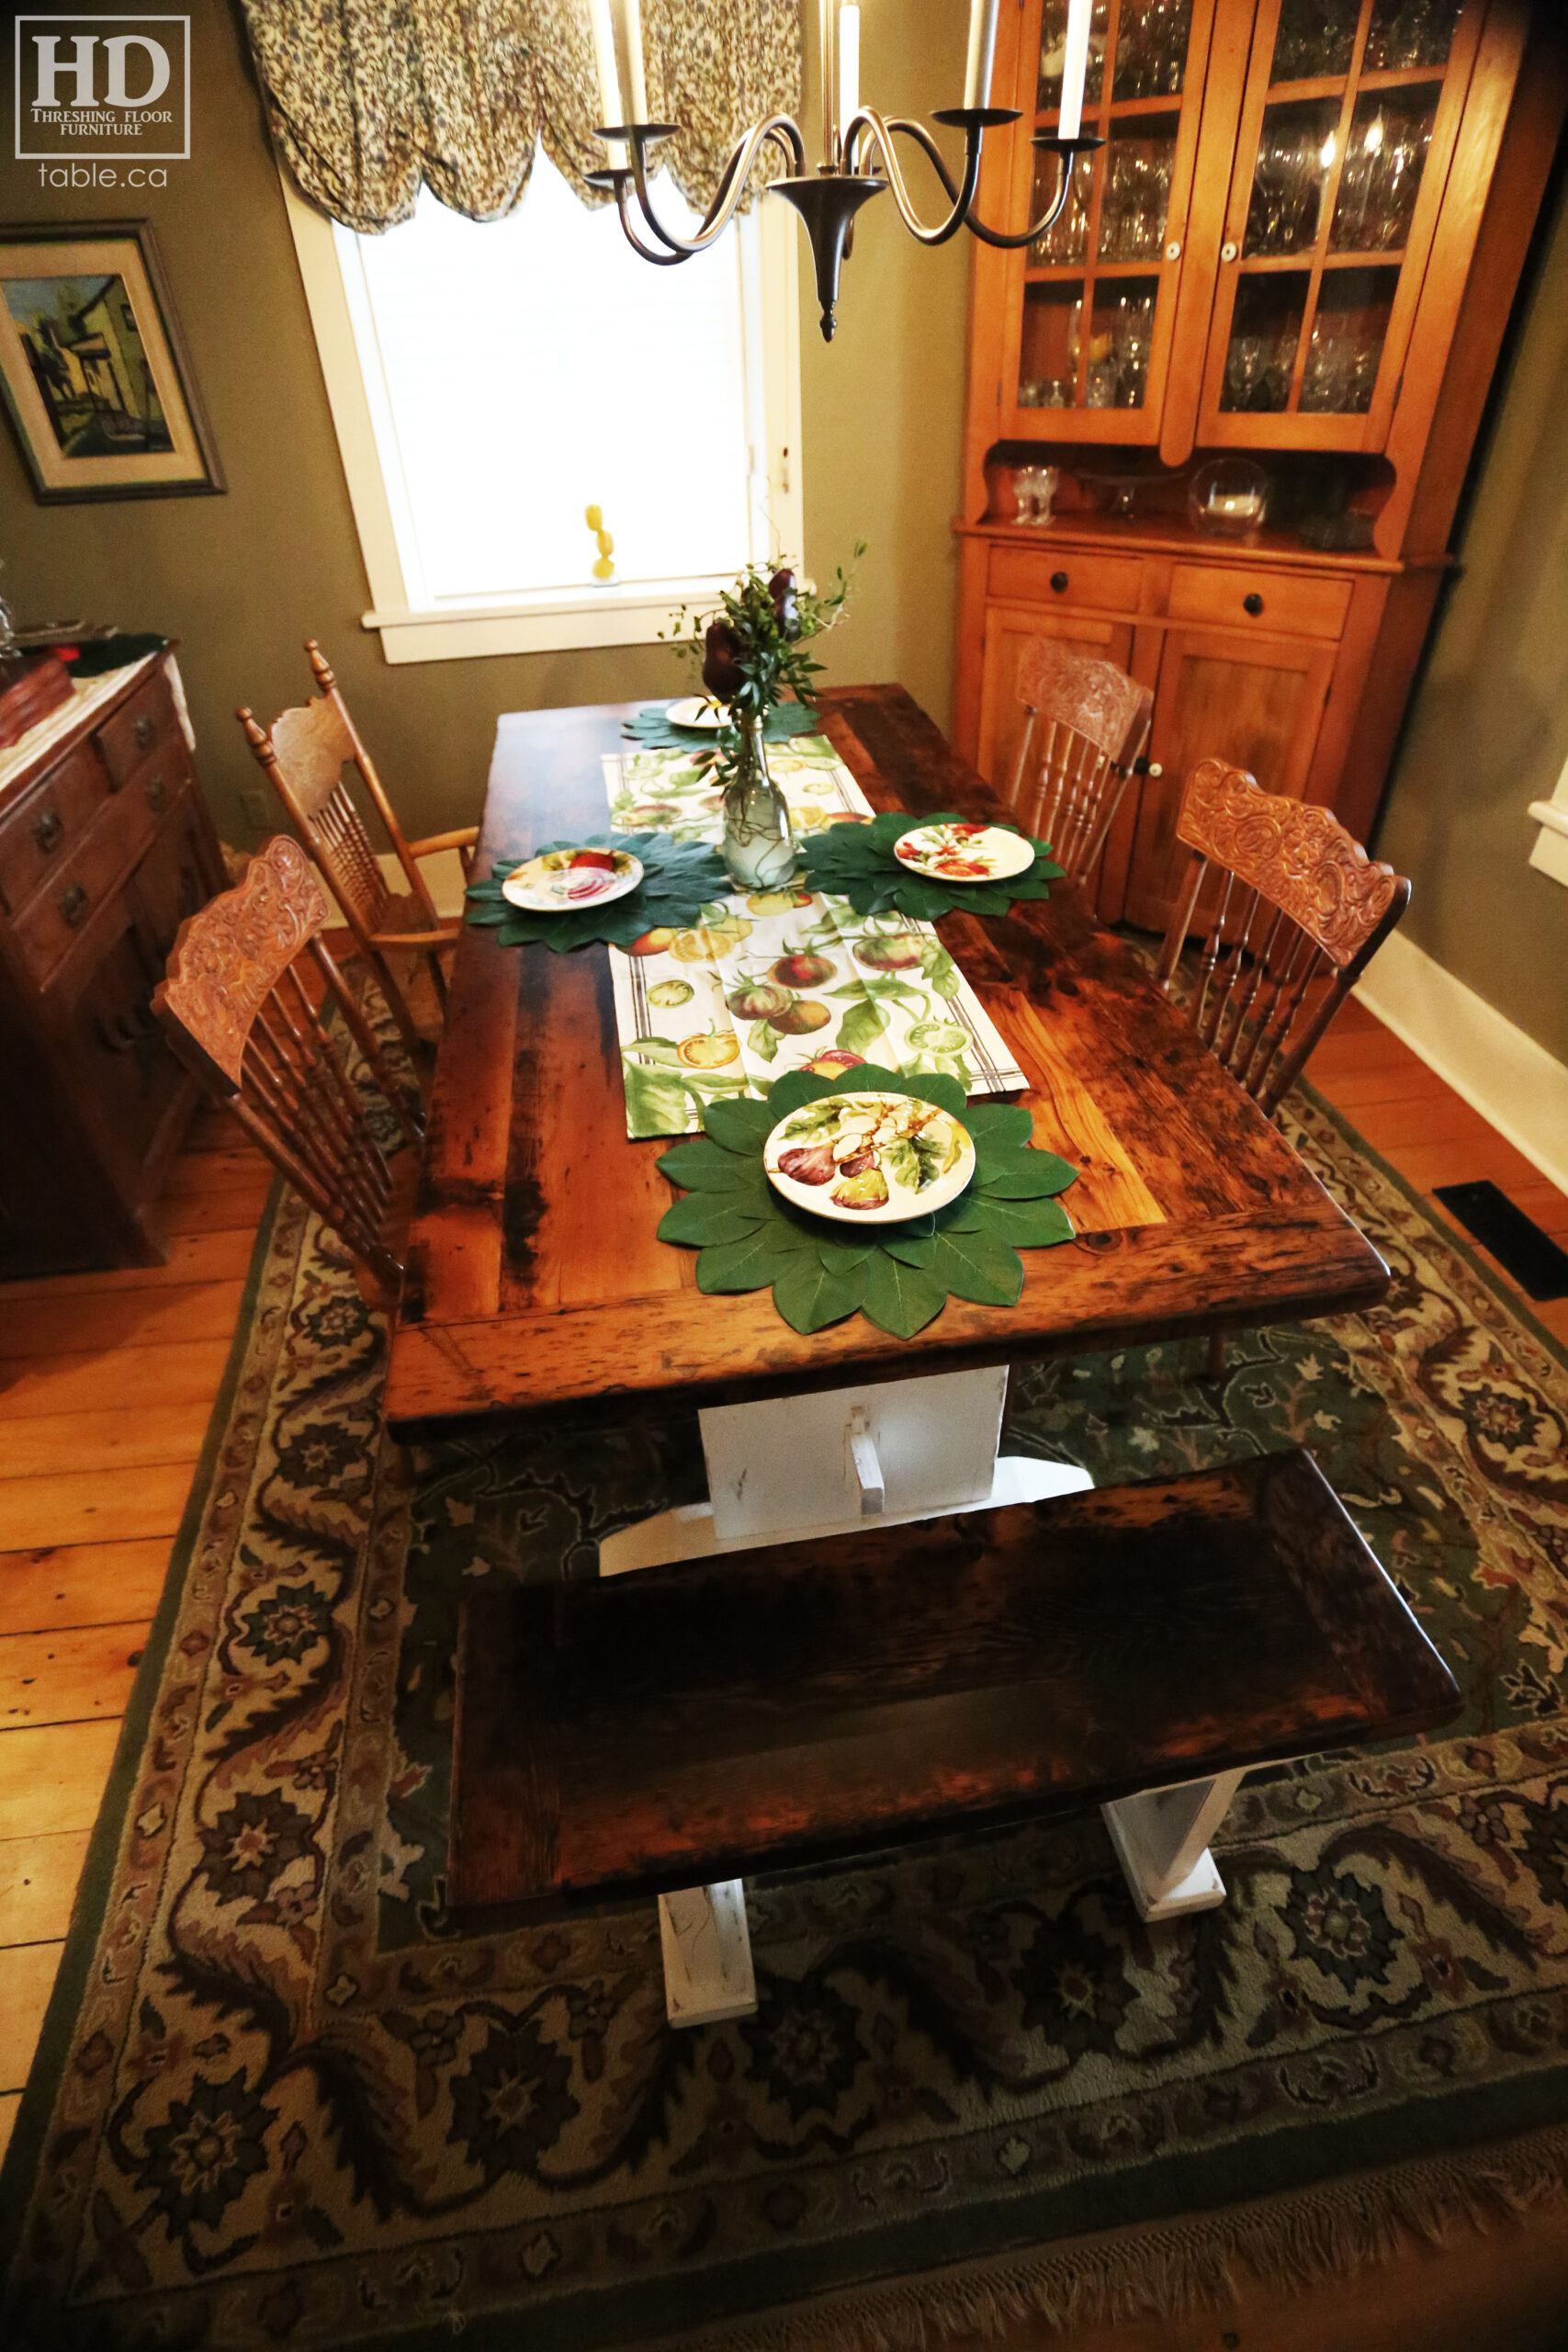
[1512, 1081]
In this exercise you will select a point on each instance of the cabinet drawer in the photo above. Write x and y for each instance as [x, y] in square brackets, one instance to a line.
[59, 913]
[1065, 576]
[43, 831]
[127, 737]
[1290, 602]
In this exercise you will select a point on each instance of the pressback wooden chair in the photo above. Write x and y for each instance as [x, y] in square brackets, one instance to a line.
[246, 1003]
[1085, 725]
[305, 753]
[1302, 910]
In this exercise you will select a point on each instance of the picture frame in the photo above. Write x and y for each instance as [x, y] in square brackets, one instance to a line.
[97, 381]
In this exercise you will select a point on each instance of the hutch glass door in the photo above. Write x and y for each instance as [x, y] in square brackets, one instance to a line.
[1099, 289]
[1347, 132]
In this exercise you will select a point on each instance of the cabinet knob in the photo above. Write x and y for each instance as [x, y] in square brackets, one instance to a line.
[157, 792]
[73, 905]
[1252, 604]
[1146, 767]
[49, 831]
[1059, 581]
[142, 729]
[1228, 251]
[1173, 251]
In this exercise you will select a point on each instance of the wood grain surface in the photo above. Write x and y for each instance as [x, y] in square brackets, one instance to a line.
[535, 1281]
[694, 1723]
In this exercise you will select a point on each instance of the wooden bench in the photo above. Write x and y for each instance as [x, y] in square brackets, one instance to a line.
[1139, 1647]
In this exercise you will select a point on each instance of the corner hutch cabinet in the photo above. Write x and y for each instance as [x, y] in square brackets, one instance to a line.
[106, 846]
[1298, 246]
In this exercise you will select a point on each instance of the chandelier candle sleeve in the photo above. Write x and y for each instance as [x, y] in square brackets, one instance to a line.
[604, 31]
[849, 66]
[628, 18]
[1075, 65]
[982, 47]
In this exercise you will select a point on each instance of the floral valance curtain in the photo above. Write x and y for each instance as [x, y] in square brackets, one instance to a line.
[367, 98]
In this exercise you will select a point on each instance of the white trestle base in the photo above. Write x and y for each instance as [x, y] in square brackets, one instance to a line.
[793, 1467]
[1161, 1836]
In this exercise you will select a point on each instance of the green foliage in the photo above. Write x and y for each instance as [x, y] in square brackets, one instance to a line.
[856, 862]
[898, 1276]
[770, 655]
[678, 878]
[652, 730]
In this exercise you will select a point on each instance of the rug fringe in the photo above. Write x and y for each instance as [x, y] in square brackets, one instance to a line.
[1176, 2270]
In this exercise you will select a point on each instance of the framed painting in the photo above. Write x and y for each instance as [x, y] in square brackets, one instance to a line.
[96, 375]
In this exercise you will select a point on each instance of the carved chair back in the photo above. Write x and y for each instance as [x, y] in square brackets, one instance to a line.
[1091, 721]
[247, 1002]
[1301, 911]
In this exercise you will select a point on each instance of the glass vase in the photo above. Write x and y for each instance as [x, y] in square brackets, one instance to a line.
[757, 846]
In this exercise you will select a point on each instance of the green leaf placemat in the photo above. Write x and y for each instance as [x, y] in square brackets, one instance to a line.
[899, 1276]
[678, 880]
[856, 862]
[653, 730]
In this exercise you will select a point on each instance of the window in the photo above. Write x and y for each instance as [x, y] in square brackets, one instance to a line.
[490, 380]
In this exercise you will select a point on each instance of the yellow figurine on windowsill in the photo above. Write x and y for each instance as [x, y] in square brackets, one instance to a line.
[604, 567]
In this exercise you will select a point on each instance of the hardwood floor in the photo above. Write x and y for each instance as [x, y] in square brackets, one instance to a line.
[106, 1383]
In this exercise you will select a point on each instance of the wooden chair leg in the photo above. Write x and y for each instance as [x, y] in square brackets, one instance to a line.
[1214, 1371]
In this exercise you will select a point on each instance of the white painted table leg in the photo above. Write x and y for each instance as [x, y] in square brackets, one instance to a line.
[707, 1954]
[1161, 1837]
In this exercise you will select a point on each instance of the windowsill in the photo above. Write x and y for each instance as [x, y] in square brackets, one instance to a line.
[556, 620]
[1550, 854]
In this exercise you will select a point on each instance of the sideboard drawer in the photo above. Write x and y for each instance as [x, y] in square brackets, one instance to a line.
[147, 718]
[43, 832]
[1290, 602]
[1065, 576]
[57, 915]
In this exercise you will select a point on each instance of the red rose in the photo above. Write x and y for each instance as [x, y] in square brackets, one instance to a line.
[786, 611]
[721, 672]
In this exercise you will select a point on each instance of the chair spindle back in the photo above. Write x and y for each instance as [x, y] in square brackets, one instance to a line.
[1302, 910]
[1094, 722]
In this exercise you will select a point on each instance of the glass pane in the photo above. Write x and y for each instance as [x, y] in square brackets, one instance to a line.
[1151, 48]
[1064, 240]
[1314, 36]
[1053, 45]
[1410, 32]
[1266, 328]
[1390, 133]
[1048, 358]
[1294, 154]
[1347, 333]
[1140, 162]
[1119, 353]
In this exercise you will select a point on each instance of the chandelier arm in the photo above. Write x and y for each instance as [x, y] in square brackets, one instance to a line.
[1065, 150]
[871, 129]
[660, 260]
[778, 130]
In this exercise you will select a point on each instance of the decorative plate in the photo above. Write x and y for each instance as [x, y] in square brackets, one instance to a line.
[869, 1159]
[959, 853]
[564, 879]
[698, 711]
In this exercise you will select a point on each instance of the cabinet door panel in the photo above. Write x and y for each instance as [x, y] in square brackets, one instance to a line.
[1254, 701]
[1008, 629]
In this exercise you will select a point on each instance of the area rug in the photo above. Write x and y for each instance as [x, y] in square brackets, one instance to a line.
[283, 2099]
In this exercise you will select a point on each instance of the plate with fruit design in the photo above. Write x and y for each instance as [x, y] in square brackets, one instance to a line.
[869, 1159]
[563, 879]
[961, 852]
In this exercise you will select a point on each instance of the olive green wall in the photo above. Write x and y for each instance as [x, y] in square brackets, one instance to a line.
[243, 578]
[1488, 731]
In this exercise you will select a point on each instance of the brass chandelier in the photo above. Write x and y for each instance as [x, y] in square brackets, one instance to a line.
[853, 137]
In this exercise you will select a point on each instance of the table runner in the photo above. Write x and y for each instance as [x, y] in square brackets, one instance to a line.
[780, 980]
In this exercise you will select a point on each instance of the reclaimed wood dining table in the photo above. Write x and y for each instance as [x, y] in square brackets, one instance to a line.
[536, 1284]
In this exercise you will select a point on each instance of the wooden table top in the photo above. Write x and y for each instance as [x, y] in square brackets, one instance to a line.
[535, 1283]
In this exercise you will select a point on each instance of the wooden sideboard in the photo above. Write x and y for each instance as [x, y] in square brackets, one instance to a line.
[106, 846]
[1244, 274]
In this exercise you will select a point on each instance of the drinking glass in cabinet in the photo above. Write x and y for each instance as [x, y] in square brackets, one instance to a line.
[1316, 37]
[1390, 133]
[1064, 240]
[1405, 35]
[1151, 48]
[1124, 313]
[1266, 328]
[1053, 49]
[1345, 347]
[1140, 163]
[1048, 356]
[1035, 487]
[1295, 155]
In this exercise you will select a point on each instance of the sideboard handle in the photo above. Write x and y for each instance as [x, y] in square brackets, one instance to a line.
[1252, 604]
[49, 831]
[1059, 581]
[73, 905]
[143, 729]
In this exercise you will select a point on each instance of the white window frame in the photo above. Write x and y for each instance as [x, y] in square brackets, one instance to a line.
[415, 627]
[1550, 854]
